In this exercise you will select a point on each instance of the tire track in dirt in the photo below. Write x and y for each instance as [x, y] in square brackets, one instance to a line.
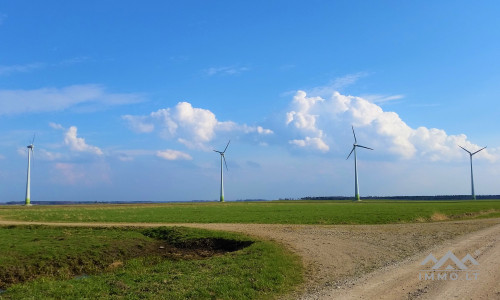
[402, 280]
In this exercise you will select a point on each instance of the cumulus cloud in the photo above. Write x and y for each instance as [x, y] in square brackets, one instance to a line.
[173, 155]
[194, 127]
[315, 123]
[78, 144]
[303, 117]
[58, 99]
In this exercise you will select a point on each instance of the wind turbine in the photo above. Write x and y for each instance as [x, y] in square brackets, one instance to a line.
[28, 179]
[222, 157]
[356, 187]
[471, 174]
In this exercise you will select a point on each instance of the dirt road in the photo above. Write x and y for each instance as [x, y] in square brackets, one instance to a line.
[375, 261]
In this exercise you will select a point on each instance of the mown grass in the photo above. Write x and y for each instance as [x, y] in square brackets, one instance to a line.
[273, 212]
[44, 255]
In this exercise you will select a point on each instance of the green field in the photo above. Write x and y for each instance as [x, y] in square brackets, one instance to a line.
[40, 262]
[272, 212]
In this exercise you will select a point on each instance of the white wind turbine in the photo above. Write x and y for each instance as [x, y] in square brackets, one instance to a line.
[28, 179]
[356, 187]
[471, 174]
[222, 157]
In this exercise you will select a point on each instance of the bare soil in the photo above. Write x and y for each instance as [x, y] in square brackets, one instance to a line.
[374, 261]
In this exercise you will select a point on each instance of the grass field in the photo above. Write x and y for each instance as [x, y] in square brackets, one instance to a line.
[40, 262]
[273, 212]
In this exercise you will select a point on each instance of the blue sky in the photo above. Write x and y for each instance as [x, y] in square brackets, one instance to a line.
[129, 98]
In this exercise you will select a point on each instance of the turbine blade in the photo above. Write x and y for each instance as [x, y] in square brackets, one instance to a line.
[478, 150]
[226, 146]
[364, 147]
[465, 149]
[350, 153]
[33, 140]
[225, 162]
[355, 141]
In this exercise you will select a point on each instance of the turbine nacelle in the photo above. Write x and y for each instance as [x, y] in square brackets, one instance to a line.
[471, 172]
[356, 144]
[222, 154]
[472, 153]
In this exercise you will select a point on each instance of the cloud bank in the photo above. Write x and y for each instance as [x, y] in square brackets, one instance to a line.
[190, 126]
[314, 123]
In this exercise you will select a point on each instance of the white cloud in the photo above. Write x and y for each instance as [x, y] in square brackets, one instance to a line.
[78, 144]
[139, 123]
[303, 117]
[58, 99]
[315, 123]
[47, 155]
[262, 130]
[338, 84]
[7, 70]
[382, 98]
[56, 126]
[173, 155]
[314, 143]
[190, 126]
[231, 70]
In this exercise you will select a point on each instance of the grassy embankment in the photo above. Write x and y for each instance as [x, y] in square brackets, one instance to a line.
[41, 262]
[275, 212]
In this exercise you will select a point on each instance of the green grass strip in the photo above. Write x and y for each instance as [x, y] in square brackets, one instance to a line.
[262, 270]
[273, 212]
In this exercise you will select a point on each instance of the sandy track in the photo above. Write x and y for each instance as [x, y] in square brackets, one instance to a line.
[373, 261]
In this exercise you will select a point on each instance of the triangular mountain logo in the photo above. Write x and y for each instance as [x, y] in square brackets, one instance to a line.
[449, 261]
[469, 258]
[429, 258]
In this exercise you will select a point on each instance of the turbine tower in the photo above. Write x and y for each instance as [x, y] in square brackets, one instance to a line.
[28, 179]
[471, 174]
[356, 186]
[222, 157]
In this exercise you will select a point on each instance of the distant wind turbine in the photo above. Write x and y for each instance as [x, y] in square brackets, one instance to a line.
[356, 187]
[28, 179]
[222, 157]
[471, 173]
